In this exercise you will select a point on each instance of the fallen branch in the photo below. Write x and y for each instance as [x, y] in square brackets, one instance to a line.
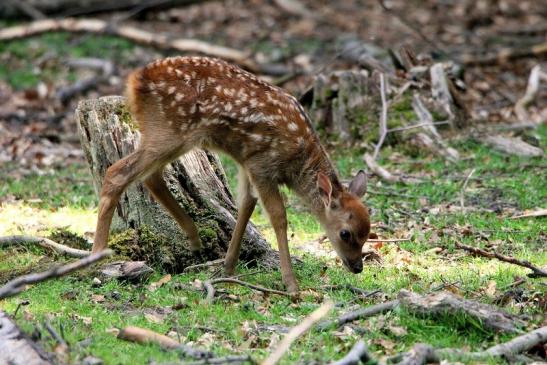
[146, 336]
[445, 303]
[359, 314]
[358, 354]
[512, 146]
[98, 26]
[516, 346]
[210, 289]
[296, 332]
[535, 213]
[18, 284]
[536, 271]
[383, 173]
[43, 242]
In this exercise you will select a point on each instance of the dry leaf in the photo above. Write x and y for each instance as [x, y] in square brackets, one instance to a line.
[155, 285]
[97, 298]
[490, 290]
[397, 331]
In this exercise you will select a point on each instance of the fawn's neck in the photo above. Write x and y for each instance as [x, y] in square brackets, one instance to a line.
[305, 184]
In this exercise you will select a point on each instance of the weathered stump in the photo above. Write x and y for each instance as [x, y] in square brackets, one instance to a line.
[196, 180]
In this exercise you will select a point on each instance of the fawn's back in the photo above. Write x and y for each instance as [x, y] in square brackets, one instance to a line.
[205, 102]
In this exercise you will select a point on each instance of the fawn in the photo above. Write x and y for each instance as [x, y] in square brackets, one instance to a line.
[186, 102]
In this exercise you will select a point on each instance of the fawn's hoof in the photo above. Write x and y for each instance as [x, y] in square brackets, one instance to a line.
[292, 289]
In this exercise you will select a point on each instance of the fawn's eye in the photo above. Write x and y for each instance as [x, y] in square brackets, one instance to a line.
[345, 235]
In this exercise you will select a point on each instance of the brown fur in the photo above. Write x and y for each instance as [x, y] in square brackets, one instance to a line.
[187, 102]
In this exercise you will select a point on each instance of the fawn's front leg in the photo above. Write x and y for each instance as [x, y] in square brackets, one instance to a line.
[247, 203]
[116, 179]
[273, 204]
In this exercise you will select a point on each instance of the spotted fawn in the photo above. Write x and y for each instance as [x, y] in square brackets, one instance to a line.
[183, 103]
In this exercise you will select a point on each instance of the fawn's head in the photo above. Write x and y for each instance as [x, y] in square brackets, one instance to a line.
[346, 219]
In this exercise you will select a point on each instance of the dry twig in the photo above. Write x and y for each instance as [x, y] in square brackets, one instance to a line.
[43, 242]
[207, 264]
[18, 284]
[210, 289]
[359, 314]
[535, 213]
[296, 332]
[516, 346]
[536, 271]
[146, 336]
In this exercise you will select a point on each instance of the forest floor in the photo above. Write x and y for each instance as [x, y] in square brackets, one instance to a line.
[242, 321]
[46, 190]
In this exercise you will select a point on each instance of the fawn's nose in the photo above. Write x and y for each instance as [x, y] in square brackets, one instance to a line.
[356, 267]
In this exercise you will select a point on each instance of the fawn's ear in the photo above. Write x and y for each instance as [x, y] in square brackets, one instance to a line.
[325, 188]
[358, 185]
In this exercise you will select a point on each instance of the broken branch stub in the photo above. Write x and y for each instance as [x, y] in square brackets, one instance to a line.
[196, 180]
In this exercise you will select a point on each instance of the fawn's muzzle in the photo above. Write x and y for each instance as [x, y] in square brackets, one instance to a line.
[355, 267]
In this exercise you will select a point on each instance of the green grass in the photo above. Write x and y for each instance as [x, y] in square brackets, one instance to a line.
[500, 187]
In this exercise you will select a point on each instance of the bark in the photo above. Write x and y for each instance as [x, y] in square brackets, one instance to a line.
[196, 180]
[16, 348]
[345, 103]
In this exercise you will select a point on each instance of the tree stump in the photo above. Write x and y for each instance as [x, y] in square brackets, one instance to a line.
[197, 181]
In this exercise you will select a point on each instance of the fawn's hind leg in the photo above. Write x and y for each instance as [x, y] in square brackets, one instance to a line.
[161, 193]
[247, 203]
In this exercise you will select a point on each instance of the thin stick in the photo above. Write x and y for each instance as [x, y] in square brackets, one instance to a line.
[464, 186]
[357, 355]
[43, 242]
[419, 125]
[389, 240]
[359, 314]
[296, 332]
[536, 271]
[515, 346]
[209, 287]
[18, 284]
[383, 118]
[204, 265]
[535, 213]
